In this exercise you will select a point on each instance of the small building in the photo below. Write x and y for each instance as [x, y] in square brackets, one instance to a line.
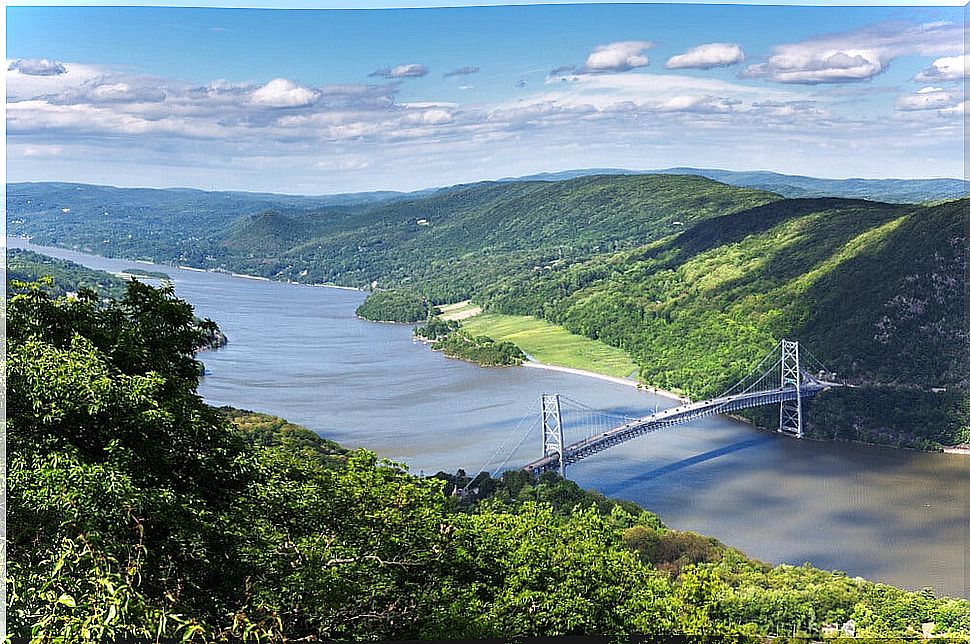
[848, 628]
[830, 630]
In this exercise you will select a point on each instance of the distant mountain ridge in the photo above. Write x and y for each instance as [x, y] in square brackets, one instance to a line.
[793, 186]
[786, 185]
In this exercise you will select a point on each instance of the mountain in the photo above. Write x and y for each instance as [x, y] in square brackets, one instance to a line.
[173, 223]
[886, 190]
[875, 291]
[458, 239]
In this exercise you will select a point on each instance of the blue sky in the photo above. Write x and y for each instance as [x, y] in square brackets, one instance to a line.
[316, 101]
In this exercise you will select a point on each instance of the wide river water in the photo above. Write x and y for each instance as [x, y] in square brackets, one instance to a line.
[299, 352]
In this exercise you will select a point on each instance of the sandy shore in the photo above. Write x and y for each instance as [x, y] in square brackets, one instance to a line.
[591, 374]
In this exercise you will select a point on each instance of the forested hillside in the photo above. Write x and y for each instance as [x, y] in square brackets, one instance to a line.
[694, 279]
[452, 242]
[875, 291]
[791, 185]
[136, 511]
[66, 276]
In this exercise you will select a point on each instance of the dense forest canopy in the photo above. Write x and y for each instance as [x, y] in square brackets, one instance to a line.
[136, 510]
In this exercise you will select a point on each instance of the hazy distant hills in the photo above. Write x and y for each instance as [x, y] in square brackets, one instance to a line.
[789, 185]
[460, 238]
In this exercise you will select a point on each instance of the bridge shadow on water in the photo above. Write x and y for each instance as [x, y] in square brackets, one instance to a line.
[688, 462]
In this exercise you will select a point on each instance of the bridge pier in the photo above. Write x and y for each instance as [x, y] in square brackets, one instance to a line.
[790, 411]
[553, 442]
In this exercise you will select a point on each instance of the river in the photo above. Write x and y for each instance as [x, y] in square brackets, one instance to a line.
[299, 352]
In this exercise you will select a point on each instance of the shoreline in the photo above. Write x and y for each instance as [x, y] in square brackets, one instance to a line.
[533, 364]
[181, 267]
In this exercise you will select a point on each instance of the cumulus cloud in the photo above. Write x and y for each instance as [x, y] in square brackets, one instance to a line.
[948, 68]
[707, 56]
[463, 71]
[281, 92]
[410, 70]
[856, 55]
[38, 67]
[930, 98]
[431, 116]
[618, 56]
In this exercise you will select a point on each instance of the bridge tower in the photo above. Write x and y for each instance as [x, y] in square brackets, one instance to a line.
[552, 435]
[790, 412]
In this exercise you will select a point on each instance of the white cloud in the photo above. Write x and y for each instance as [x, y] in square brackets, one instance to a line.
[281, 92]
[605, 89]
[42, 150]
[433, 116]
[960, 109]
[949, 68]
[618, 56]
[22, 86]
[463, 71]
[707, 56]
[37, 67]
[856, 55]
[343, 163]
[120, 91]
[410, 70]
[930, 98]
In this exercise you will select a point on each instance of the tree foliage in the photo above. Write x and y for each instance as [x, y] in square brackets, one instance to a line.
[137, 511]
[394, 305]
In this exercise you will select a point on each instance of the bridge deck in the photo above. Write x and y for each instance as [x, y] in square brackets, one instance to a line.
[673, 416]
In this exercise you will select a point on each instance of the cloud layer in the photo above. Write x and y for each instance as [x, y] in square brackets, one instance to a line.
[949, 68]
[596, 113]
[857, 55]
[409, 70]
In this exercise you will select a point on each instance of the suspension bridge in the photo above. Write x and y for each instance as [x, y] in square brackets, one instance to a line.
[787, 376]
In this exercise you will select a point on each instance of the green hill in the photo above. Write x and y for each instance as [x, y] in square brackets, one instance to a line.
[875, 291]
[28, 266]
[458, 240]
[453, 241]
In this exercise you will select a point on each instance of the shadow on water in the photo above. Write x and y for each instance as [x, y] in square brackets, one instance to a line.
[688, 462]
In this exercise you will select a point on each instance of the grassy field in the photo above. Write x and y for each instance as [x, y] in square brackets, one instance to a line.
[552, 344]
[459, 310]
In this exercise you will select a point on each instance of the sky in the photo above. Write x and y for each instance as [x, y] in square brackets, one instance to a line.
[314, 101]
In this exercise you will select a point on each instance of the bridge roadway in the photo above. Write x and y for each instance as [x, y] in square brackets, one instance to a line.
[675, 416]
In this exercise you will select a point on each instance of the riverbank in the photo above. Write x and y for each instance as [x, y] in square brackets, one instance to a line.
[552, 344]
[532, 364]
